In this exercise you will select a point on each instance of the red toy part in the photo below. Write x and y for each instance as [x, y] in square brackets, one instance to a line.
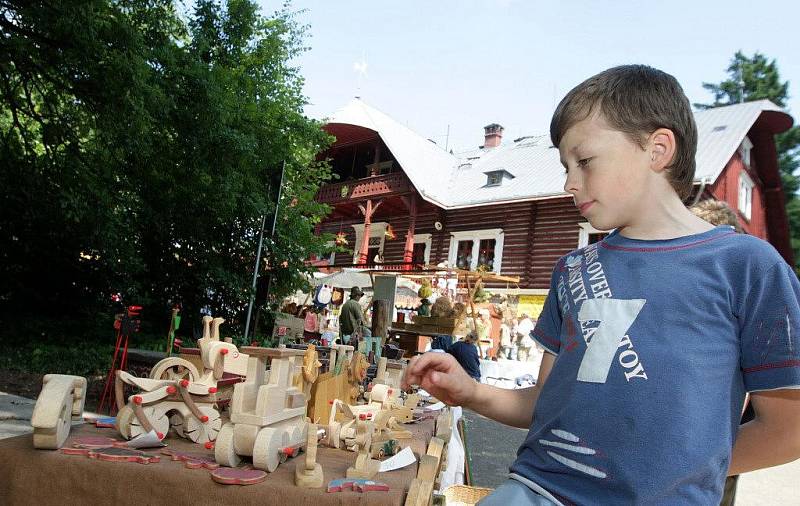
[95, 442]
[238, 476]
[191, 460]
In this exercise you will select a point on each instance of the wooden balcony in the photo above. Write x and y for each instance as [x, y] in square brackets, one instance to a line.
[358, 189]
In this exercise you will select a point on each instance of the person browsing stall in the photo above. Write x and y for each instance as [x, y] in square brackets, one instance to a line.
[653, 335]
[351, 317]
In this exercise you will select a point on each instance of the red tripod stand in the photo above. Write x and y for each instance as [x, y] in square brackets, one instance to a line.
[125, 324]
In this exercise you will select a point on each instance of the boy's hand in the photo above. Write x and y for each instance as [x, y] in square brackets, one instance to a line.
[440, 375]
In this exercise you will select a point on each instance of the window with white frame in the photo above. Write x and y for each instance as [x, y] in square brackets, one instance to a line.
[377, 238]
[745, 149]
[745, 194]
[475, 249]
[587, 234]
[422, 249]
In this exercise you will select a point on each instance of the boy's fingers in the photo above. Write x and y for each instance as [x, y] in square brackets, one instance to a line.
[421, 365]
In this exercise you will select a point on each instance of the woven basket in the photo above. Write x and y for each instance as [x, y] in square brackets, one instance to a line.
[463, 495]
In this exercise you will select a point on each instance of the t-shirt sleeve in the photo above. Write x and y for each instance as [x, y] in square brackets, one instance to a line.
[548, 327]
[770, 327]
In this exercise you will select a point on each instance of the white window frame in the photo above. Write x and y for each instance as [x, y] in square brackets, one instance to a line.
[377, 229]
[476, 236]
[745, 201]
[745, 150]
[427, 240]
[585, 230]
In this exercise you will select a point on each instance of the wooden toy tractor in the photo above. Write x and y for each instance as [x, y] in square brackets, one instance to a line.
[268, 411]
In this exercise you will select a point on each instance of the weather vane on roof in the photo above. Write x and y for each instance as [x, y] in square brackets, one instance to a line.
[360, 67]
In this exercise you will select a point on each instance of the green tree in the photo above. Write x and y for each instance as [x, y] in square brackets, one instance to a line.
[756, 78]
[140, 153]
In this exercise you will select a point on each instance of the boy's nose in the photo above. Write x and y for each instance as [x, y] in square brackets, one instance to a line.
[572, 184]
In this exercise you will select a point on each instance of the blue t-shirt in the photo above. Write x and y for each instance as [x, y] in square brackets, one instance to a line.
[467, 355]
[677, 331]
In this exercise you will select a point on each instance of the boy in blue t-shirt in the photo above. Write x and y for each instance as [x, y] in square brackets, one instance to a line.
[654, 334]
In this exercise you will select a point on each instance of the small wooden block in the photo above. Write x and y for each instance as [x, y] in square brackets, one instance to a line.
[123, 455]
[428, 468]
[359, 485]
[191, 460]
[436, 448]
[295, 400]
[308, 478]
[340, 484]
[370, 486]
[238, 476]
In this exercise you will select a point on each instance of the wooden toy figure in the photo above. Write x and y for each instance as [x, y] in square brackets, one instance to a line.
[365, 466]
[62, 397]
[308, 472]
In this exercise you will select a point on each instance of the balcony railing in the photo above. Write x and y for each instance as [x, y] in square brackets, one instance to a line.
[374, 186]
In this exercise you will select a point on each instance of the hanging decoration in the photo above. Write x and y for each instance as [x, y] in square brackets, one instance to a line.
[341, 239]
[390, 232]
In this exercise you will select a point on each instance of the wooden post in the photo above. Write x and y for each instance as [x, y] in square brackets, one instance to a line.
[363, 251]
[381, 314]
[471, 305]
[408, 251]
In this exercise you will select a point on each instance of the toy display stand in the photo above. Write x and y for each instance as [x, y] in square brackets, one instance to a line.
[49, 477]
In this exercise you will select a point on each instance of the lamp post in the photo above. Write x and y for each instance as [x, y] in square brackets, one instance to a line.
[258, 253]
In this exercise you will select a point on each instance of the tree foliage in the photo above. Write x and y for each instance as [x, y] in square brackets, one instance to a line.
[755, 78]
[140, 151]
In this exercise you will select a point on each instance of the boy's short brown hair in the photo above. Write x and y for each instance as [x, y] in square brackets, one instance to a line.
[636, 100]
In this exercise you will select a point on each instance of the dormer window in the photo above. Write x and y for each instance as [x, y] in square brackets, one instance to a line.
[495, 177]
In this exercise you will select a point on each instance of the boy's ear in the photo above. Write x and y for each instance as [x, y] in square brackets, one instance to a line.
[662, 149]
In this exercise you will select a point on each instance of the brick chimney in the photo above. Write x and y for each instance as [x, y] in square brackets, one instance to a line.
[493, 135]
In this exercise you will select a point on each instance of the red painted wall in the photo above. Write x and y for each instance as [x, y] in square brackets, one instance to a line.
[726, 188]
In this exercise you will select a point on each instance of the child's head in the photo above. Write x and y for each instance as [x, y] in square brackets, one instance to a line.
[716, 212]
[638, 101]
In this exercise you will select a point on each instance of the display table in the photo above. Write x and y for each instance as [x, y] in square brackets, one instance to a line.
[30, 476]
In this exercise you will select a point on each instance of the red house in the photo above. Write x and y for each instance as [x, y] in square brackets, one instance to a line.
[402, 198]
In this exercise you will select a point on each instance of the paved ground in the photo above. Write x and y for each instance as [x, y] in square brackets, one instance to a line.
[492, 448]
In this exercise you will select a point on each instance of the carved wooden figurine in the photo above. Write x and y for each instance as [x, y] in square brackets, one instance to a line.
[308, 472]
[62, 397]
[365, 466]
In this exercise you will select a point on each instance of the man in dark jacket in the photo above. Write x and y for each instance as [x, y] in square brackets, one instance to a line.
[352, 317]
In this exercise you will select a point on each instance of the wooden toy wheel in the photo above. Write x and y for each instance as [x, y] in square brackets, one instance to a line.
[267, 450]
[157, 418]
[224, 450]
[199, 431]
[176, 424]
[174, 368]
[123, 421]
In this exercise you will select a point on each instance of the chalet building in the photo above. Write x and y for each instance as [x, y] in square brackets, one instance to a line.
[402, 198]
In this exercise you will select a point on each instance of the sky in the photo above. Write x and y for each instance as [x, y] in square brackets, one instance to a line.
[460, 65]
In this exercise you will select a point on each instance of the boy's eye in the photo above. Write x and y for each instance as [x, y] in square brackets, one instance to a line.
[583, 162]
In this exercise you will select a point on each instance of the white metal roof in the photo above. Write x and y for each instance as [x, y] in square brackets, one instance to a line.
[720, 132]
[454, 181]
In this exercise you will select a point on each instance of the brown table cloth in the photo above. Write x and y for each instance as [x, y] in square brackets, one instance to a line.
[31, 476]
